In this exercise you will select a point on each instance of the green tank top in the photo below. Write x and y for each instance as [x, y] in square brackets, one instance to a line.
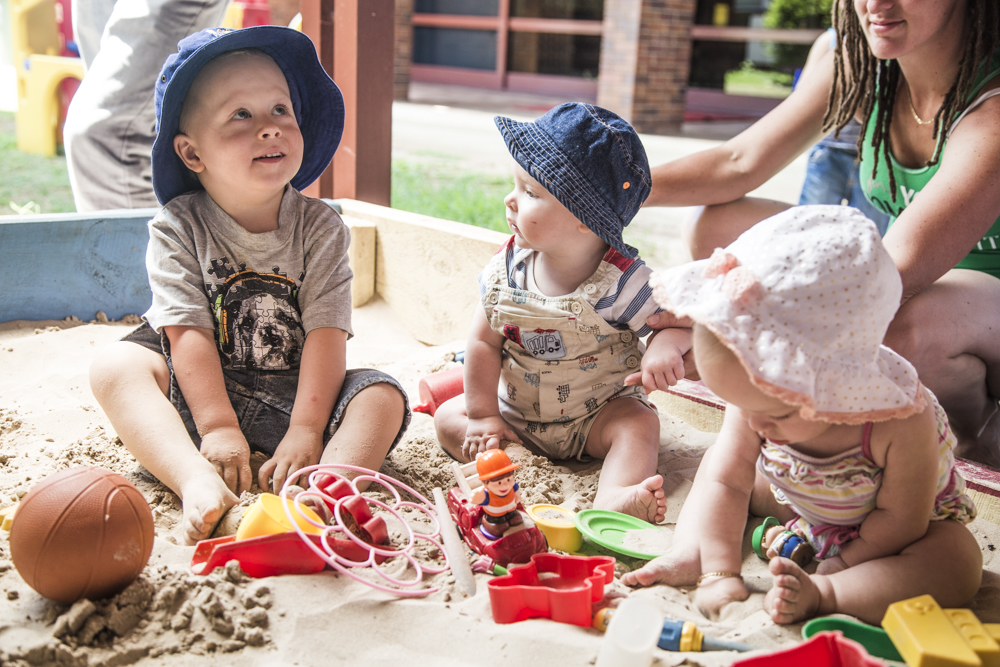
[985, 255]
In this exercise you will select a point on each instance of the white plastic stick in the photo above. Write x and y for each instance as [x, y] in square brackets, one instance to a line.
[453, 546]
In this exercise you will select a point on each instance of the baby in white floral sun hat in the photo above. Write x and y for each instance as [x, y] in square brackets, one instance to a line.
[825, 428]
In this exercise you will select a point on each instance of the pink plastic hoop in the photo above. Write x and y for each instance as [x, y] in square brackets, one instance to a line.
[402, 587]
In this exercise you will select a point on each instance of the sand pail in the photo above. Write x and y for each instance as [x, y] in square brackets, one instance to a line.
[267, 517]
[556, 523]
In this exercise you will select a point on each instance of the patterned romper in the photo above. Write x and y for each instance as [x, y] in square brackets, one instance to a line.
[563, 361]
[833, 495]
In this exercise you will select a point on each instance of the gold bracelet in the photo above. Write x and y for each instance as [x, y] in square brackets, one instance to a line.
[721, 575]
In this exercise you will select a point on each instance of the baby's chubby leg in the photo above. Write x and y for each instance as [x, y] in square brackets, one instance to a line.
[370, 423]
[131, 384]
[946, 563]
[626, 434]
[451, 423]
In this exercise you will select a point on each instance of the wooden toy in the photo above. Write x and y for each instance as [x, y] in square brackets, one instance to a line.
[928, 636]
[556, 586]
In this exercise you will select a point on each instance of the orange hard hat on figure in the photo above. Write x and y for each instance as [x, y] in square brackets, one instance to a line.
[494, 463]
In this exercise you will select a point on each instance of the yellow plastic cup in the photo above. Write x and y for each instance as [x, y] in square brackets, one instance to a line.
[556, 523]
[267, 517]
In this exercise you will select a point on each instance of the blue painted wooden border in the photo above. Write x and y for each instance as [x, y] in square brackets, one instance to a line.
[54, 266]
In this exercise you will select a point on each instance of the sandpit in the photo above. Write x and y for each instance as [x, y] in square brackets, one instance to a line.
[49, 421]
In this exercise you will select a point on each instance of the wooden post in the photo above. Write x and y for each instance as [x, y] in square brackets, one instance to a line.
[354, 40]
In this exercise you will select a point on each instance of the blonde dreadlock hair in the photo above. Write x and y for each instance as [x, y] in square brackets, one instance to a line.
[854, 83]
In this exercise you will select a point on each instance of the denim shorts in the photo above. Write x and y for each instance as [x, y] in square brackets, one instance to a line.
[833, 177]
[263, 400]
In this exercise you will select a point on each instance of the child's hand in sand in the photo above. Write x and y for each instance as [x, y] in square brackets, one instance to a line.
[300, 447]
[227, 450]
[715, 593]
[486, 433]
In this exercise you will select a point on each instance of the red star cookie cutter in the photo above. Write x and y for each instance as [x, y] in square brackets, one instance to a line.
[556, 586]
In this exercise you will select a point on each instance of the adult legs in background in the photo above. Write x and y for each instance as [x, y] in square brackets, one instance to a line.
[109, 128]
[951, 333]
[832, 177]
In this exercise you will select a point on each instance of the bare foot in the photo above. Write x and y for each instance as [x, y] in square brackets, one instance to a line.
[205, 500]
[713, 595]
[795, 595]
[673, 569]
[644, 500]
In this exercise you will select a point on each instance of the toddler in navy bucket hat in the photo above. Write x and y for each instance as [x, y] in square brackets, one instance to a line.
[554, 359]
[251, 287]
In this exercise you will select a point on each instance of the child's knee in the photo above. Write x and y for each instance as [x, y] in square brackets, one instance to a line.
[121, 361]
[383, 397]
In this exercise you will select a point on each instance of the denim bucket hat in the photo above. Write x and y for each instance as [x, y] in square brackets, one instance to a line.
[316, 100]
[590, 159]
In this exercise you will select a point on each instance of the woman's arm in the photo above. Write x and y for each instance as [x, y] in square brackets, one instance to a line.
[956, 207]
[745, 162]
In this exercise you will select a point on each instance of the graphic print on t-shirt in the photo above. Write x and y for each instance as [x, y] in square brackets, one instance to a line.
[257, 320]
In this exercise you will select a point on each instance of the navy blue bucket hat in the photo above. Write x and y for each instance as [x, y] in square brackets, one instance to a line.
[590, 159]
[316, 100]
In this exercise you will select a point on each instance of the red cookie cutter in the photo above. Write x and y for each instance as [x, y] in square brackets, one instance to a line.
[556, 586]
[826, 649]
[355, 512]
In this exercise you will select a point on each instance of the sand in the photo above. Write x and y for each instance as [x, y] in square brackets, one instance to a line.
[50, 421]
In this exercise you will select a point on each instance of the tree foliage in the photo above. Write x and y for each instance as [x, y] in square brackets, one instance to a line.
[798, 14]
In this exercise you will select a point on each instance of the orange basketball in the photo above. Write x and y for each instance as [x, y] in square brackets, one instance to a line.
[81, 533]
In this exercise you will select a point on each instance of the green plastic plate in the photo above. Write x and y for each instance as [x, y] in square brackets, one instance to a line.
[875, 640]
[608, 529]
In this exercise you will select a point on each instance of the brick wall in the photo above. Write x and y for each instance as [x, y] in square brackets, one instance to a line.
[645, 60]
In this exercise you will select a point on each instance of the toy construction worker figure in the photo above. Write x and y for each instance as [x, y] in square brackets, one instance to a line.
[498, 495]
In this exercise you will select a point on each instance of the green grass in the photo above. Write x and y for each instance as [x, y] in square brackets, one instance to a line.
[443, 192]
[418, 187]
[749, 80]
[31, 178]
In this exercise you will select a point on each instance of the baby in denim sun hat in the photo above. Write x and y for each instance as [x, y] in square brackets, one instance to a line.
[244, 345]
[564, 305]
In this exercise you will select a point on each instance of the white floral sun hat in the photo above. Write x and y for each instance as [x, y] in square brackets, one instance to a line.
[804, 299]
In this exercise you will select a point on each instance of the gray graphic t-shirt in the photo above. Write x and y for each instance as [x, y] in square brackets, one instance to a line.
[260, 293]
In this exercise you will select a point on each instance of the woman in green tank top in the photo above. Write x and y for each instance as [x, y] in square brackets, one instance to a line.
[922, 78]
[907, 71]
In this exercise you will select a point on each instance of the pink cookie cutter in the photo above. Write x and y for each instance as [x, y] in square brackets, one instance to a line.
[556, 586]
